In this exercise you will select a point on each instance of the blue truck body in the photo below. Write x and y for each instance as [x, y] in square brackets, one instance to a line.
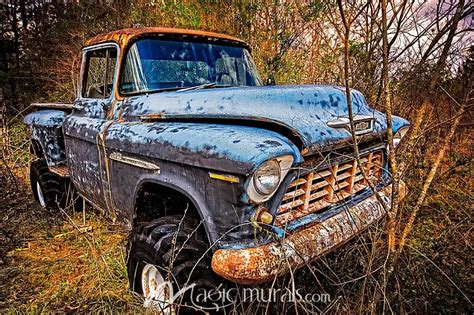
[178, 139]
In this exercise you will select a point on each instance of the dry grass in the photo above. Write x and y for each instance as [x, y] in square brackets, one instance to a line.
[57, 262]
[52, 262]
[80, 267]
[61, 263]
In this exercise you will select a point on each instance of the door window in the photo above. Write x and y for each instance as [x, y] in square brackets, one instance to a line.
[99, 73]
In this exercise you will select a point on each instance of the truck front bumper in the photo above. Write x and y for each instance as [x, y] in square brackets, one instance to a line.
[262, 263]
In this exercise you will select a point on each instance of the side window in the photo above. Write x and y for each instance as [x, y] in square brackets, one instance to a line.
[99, 73]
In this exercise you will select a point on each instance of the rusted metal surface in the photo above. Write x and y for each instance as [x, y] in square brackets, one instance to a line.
[53, 105]
[263, 263]
[60, 170]
[318, 190]
[184, 152]
[122, 37]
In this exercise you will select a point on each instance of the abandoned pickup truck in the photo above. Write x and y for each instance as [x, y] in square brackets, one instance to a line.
[216, 175]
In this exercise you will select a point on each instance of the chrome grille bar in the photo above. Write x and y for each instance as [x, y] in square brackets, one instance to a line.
[318, 190]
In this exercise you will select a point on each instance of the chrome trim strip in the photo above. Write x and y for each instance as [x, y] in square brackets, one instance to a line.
[366, 121]
[116, 156]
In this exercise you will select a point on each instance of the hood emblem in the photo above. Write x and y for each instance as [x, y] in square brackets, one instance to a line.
[362, 123]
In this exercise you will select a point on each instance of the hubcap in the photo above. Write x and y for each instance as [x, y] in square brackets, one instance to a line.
[40, 195]
[154, 289]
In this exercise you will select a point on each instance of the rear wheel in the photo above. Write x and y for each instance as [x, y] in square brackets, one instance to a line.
[50, 190]
[167, 255]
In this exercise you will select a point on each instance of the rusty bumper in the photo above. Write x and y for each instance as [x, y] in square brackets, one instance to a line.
[263, 263]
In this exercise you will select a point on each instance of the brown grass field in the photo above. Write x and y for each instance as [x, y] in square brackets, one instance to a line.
[75, 262]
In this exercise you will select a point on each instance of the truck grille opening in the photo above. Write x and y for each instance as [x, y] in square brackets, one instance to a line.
[316, 191]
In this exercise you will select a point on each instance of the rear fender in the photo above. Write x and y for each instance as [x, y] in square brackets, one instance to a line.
[45, 127]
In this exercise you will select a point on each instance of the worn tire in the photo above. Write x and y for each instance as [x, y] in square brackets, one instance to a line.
[152, 243]
[55, 191]
[48, 188]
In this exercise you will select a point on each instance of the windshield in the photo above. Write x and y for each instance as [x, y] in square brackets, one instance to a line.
[156, 64]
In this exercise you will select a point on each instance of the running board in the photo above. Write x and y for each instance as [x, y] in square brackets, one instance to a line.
[60, 170]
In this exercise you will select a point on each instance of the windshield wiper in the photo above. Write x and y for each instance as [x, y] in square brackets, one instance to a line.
[198, 87]
[181, 89]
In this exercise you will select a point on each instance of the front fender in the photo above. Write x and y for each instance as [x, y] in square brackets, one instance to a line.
[218, 203]
[227, 148]
[185, 154]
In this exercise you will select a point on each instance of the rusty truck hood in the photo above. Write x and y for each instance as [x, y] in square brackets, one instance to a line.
[301, 112]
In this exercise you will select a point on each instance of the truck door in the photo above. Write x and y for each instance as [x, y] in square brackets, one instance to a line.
[85, 128]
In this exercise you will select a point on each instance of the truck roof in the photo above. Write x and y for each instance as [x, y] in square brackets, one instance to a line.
[123, 36]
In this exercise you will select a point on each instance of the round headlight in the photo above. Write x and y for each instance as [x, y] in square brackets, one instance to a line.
[267, 177]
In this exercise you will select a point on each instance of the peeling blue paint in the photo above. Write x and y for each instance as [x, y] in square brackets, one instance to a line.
[302, 109]
[46, 128]
[191, 133]
[46, 118]
[228, 148]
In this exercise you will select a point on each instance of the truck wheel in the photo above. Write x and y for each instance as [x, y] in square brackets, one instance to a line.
[48, 188]
[165, 250]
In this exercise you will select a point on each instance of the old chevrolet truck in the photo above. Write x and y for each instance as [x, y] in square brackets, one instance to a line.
[173, 134]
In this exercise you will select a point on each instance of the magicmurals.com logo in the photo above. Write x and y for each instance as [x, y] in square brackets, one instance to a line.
[214, 299]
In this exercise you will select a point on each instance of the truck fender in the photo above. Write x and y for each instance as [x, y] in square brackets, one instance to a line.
[184, 155]
[45, 127]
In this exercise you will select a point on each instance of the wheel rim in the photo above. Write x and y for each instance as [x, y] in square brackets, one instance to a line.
[155, 289]
[39, 192]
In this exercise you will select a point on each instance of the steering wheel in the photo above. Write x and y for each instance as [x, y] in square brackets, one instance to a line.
[95, 91]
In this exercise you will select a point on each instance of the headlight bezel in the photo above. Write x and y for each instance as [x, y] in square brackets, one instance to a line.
[284, 163]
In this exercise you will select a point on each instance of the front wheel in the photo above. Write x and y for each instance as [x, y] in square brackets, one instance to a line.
[169, 261]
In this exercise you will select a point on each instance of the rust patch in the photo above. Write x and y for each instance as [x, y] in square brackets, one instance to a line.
[153, 116]
[53, 105]
[316, 191]
[263, 263]
[60, 170]
[123, 36]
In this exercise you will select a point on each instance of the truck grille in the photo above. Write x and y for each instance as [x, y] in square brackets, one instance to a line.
[318, 190]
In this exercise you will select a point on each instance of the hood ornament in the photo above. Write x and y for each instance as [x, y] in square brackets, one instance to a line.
[362, 123]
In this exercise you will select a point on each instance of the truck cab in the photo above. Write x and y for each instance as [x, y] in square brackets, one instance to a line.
[215, 175]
